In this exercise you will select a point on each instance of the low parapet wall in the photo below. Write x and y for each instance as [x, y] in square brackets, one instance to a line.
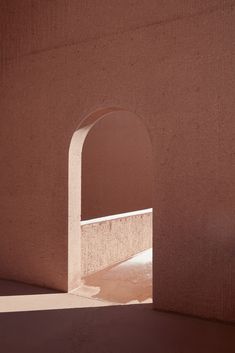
[108, 240]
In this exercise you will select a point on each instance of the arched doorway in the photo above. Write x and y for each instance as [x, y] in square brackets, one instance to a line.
[110, 190]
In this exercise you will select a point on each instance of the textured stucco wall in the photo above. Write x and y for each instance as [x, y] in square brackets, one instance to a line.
[108, 241]
[172, 63]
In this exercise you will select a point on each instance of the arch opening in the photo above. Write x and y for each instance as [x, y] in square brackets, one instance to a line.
[110, 206]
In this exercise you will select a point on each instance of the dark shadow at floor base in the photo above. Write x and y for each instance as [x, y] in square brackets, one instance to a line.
[116, 329]
[8, 288]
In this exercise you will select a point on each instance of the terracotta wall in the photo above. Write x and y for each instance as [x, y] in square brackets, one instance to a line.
[116, 167]
[172, 63]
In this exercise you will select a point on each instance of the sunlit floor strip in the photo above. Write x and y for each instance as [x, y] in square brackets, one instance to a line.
[47, 302]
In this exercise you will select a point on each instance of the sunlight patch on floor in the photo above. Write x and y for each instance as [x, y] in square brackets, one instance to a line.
[128, 282]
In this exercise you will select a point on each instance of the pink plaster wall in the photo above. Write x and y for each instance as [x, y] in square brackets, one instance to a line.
[172, 63]
[116, 167]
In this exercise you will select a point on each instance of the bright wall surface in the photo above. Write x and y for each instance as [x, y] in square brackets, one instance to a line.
[109, 240]
[171, 62]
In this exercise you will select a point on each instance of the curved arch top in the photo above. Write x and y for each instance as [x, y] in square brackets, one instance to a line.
[74, 187]
[92, 118]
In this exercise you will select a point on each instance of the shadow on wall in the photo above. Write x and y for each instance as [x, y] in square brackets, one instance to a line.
[122, 329]
[116, 167]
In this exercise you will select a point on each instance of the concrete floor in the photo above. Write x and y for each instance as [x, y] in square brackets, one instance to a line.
[89, 320]
[128, 282]
[112, 329]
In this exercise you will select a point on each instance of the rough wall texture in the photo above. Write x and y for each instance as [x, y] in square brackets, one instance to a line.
[170, 62]
[110, 241]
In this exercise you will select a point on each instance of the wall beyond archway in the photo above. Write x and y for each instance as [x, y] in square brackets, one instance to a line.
[115, 181]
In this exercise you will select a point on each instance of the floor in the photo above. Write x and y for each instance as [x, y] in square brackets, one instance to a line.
[94, 319]
[128, 282]
[112, 329]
